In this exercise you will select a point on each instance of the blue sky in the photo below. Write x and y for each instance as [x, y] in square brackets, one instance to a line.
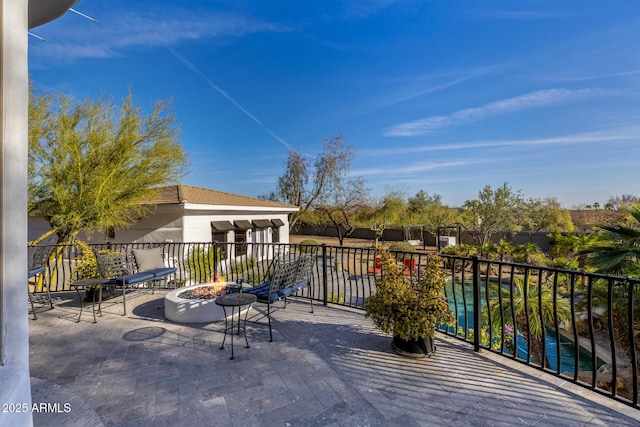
[443, 96]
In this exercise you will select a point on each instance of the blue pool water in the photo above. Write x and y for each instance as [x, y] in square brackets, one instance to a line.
[567, 347]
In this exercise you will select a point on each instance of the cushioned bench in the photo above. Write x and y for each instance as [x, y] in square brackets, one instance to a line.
[147, 266]
[291, 272]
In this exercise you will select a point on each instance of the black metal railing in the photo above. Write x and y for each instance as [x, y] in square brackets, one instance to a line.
[583, 327]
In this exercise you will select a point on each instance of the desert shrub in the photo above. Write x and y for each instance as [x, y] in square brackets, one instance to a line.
[307, 245]
[460, 250]
[402, 247]
[86, 266]
[335, 298]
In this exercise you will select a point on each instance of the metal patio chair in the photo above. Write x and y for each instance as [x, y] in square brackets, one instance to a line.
[37, 268]
[291, 272]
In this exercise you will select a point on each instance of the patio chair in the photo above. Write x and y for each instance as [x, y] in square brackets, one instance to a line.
[302, 277]
[290, 274]
[37, 267]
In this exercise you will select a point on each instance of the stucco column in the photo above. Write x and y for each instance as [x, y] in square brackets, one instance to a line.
[14, 327]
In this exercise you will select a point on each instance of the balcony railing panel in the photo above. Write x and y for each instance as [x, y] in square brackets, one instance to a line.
[583, 327]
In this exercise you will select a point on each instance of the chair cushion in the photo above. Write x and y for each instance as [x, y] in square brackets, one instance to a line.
[158, 272]
[300, 284]
[262, 292]
[285, 292]
[148, 259]
[130, 279]
[36, 271]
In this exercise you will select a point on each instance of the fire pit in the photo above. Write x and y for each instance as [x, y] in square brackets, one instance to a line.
[196, 304]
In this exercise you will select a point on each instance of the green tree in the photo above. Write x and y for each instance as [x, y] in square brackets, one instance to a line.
[528, 253]
[545, 215]
[418, 204]
[493, 211]
[386, 212]
[427, 209]
[504, 249]
[489, 250]
[572, 246]
[92, 162]
[291, 185]
[392, 206]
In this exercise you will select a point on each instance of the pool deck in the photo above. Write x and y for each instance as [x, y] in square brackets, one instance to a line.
[330, 368]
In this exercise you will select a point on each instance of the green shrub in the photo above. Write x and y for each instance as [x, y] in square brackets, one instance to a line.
[201, 263]
[241, 266]
[308, 242]
[335, 298]
[86, 266]
[307, 245]
[405, 306]
[402, 247]
[460, 250]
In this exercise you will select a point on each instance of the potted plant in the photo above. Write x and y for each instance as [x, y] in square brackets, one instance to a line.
[410, 308]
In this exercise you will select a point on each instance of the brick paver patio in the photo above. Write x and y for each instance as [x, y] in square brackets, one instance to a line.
[330, 368]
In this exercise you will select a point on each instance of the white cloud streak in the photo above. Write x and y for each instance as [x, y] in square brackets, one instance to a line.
[215, 87]
[509, 105]
[114, 33]
[366, 8]
[631, 133]
[415, 168]
[518, 15]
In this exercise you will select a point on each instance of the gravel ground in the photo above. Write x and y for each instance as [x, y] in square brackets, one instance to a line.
[332, 241]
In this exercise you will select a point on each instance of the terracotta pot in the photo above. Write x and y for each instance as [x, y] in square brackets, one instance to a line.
[424, 347]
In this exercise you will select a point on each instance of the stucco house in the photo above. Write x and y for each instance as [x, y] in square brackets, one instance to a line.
[184, 213]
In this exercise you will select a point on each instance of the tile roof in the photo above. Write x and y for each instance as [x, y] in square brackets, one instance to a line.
[181, 193]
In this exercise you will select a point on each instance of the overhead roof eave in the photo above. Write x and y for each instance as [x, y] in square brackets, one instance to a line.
[43, 11]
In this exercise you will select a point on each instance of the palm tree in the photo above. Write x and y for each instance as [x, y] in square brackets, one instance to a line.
[528, 253]
[504, 248]
[489, 250]
[517, 311]
[619, 253]
[574, 246]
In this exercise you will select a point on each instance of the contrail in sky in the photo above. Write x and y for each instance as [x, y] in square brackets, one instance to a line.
[229, 98]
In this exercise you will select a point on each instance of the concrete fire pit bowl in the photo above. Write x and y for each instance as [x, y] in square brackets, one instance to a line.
[180, 308]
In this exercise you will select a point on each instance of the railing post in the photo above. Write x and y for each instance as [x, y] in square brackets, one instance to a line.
[634, 356]
[214, 248]
[325, 282]
[477, 314]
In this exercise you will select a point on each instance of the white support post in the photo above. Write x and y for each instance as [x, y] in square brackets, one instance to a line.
[14, 328]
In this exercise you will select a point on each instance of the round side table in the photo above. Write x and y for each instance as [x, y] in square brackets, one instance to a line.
[233, 301]
[98, 283]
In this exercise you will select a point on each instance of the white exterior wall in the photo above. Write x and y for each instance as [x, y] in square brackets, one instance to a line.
[197, 227]
[171, 223]
[284, 230]
[162, 226]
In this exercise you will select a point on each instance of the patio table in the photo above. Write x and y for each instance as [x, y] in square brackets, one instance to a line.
[99, 283]
[234, 300]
